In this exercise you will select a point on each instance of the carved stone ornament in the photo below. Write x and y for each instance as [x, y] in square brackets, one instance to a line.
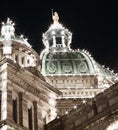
[82, 67]
[51, 67]
[67, 67]
[79, 56]
[50, 56]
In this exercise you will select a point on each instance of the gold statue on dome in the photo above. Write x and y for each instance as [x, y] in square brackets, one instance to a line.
[55, 17]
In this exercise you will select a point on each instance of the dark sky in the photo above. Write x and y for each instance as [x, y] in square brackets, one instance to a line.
[94, 24]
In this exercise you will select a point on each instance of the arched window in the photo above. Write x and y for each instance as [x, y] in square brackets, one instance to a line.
[16, 58]
[15, 110]
[22, 60]
[30, 118]
[51, 42]
[28, 61]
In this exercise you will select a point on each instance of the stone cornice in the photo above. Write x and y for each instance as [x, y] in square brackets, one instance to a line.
[26, 86]
[37, 76]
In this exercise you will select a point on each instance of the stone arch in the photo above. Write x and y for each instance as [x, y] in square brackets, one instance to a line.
[109, 121]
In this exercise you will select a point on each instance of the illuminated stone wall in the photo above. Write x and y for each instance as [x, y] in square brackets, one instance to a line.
[73, 72]
[27, 101]
[97, 114]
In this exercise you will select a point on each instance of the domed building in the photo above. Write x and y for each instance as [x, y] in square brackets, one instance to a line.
[74, 72]
[35, 90]
[26, 100]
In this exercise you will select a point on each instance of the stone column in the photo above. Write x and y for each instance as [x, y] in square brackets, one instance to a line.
[63, 41]
[13, 57]
[6, 104]
[6, 98]
[54, 41]
[19, 60]
[35, 115]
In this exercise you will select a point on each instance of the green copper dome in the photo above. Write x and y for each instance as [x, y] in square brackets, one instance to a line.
[59, 59]
[78, 62]
[73, 62]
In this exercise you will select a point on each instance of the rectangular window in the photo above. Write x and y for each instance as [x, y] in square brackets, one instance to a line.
[20, 109]
[30, 118]
[58, 40]
[22, 60]
[16, 58]
[15, 110]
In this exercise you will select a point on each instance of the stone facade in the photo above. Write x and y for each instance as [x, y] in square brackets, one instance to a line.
[97, 114]
[56, 89]
[73, 72]
[25, 98]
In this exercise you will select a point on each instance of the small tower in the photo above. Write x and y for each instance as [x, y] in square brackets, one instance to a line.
[7, 33]
[57, 38]
[16, 47]
[7, 30]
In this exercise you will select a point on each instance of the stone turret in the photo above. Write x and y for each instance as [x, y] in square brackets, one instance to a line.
[16, 47]
[7, 30]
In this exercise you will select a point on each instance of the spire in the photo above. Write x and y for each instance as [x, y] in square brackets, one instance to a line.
[7, 30]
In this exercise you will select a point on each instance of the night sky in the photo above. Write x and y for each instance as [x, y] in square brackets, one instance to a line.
[94, 24]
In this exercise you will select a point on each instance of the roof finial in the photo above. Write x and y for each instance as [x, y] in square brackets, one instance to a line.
[8, 21]
[52, 13]
[55, 17]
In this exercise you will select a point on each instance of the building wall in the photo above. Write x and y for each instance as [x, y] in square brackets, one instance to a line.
[96, 114]
[26, 100]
